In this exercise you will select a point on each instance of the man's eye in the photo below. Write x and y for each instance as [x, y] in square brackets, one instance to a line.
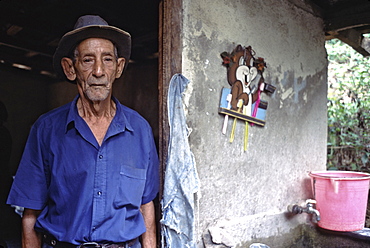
[108, 59]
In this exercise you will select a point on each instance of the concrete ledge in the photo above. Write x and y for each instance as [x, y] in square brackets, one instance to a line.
[239, 234]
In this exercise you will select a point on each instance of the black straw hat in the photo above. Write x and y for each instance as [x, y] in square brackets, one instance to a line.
[91, 26]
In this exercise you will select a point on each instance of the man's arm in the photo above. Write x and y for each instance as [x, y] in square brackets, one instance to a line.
[30, 238]
[149, 238]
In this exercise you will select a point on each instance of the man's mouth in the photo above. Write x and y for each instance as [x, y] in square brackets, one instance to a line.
[97, 85]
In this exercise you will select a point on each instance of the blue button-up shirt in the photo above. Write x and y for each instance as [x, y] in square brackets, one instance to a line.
[88, 192]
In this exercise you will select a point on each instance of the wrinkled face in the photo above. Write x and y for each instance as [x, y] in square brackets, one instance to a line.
[96, 67]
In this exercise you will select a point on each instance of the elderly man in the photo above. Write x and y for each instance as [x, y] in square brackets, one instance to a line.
[89, 172]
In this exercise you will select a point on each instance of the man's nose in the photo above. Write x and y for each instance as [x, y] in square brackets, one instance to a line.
[98, 70]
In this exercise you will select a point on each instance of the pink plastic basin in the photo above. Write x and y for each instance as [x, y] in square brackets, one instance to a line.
[341, 199]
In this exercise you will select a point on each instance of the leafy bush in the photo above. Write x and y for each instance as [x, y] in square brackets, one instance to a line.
[348, 108]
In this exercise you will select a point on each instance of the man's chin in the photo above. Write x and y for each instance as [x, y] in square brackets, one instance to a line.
[97, 96]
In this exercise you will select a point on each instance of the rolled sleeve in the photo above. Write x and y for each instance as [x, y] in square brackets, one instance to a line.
[152, 182]
[29, 188]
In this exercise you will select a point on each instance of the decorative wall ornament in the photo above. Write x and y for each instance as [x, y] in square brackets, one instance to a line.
[243, 100]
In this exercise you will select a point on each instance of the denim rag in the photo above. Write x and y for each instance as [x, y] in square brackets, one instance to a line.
[181, 181]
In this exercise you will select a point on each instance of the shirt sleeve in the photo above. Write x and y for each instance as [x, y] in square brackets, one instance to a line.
[152, 177]
[29, 188]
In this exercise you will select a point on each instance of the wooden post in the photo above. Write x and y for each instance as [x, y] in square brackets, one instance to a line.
[170, 63]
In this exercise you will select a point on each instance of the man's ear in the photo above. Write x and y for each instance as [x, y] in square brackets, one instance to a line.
[120, 66]
[69, 70]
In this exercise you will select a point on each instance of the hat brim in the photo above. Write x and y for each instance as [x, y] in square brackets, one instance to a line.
[120, 38]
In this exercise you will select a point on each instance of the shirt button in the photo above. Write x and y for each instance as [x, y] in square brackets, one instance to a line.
[100, 156]
[100, 193]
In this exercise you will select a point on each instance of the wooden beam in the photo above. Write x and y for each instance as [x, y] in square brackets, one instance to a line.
[170, 63]
[354, 39]
[348, 23]
[347, 17]
[37, 63]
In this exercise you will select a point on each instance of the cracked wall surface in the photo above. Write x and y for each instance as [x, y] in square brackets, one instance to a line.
[244, 195]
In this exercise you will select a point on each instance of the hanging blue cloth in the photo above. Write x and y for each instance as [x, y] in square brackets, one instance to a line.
[181, 181]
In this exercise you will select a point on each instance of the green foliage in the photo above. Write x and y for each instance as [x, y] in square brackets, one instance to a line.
[348, 108]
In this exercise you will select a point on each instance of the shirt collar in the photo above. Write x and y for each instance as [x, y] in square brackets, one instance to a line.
[119, 123]
[120, 120]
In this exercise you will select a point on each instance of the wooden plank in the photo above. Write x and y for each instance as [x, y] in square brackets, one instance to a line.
[170, 63]
[240, 116]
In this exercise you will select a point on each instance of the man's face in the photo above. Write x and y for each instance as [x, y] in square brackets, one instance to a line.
[96, 68]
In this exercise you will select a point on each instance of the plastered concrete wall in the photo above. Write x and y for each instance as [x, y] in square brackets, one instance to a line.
[244, 195]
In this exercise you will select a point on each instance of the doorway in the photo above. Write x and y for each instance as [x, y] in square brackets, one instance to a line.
[29, 35]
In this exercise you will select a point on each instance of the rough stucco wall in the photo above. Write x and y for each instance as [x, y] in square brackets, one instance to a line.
[244, 195]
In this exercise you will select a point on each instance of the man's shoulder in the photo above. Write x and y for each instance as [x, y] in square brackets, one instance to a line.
[132, 116]
[56, 115]
[129, 112]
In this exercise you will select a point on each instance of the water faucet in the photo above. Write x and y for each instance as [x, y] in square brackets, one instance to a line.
[309, 209]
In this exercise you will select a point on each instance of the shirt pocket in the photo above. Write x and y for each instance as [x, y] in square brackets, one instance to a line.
[130, 187]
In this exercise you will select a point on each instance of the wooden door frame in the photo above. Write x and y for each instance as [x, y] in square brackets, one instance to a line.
[170, 63]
